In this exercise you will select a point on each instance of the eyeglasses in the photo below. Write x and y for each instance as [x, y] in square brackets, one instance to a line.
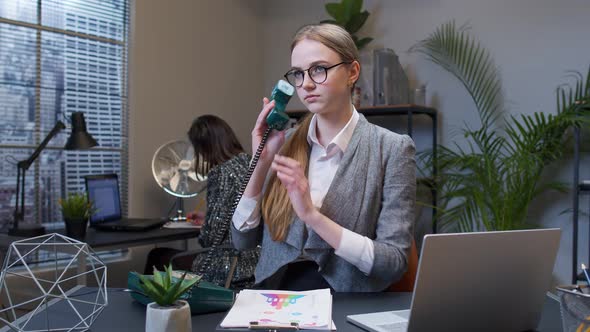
[317, 73]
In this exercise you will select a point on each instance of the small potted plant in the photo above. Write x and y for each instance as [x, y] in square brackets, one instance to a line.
[167, 313]
[76, 209]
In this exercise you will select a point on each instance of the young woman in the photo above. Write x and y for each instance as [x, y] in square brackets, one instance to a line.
[332, 203]
[220, 155]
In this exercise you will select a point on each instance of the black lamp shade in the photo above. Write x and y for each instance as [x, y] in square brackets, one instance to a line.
[80, 138]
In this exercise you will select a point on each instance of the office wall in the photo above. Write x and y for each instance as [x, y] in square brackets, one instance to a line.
[188, 58]
[533, 42]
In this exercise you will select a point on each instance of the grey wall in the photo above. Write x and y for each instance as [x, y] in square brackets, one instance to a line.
[533, 42]
[188, 58]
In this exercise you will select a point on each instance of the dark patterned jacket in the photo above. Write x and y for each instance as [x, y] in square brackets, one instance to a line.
[223, 184]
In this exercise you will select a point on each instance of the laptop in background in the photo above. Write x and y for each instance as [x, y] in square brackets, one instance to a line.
[489, 281]
[103, 191]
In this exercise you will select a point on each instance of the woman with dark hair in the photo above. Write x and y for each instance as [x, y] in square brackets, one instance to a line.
[214, 143]
[220, 156]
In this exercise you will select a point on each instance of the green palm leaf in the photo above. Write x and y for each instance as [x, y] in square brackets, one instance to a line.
[461, 55]
[489, 181]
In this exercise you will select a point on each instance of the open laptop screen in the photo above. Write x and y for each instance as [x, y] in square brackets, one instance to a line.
[103, 191]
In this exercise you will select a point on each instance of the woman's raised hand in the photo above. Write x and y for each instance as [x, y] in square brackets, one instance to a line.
[275, 139]
[292, 176]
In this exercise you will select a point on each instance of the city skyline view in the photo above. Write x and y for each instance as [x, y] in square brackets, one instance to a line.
[71, 59]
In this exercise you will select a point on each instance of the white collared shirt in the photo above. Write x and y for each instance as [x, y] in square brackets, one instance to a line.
[323, 164]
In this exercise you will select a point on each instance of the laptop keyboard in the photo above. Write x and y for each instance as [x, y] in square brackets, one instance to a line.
[394, 327]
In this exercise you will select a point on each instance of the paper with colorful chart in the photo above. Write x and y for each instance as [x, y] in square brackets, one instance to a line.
[310, 309]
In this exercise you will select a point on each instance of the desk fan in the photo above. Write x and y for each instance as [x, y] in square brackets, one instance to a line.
[173, 166]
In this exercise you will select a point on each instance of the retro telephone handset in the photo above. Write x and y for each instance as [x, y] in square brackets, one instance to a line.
[277, 119]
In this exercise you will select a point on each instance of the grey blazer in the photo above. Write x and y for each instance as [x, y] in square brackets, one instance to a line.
[373, 194]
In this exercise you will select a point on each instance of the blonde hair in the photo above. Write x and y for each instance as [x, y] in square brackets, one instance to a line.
[332, 36]
[277, 210]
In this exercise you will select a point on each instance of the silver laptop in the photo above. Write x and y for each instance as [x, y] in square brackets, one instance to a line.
[490, 281]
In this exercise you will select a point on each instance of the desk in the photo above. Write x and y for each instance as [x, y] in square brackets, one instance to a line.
[106, 240]
[123, 314]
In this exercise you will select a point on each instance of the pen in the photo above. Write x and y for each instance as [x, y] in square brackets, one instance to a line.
[585, 270]
[254, 325]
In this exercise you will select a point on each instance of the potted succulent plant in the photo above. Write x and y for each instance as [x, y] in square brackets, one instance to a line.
[167, 313]
[76, 209]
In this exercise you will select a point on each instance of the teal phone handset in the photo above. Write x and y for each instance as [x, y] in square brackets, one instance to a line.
[277, 118]
[203, 298]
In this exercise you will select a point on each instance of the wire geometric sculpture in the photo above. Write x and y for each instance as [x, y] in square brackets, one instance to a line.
[52, 297]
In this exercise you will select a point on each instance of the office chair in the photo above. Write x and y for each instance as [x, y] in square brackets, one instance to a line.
[406, 283]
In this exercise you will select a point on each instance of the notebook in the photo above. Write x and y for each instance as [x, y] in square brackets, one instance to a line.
[103, 191]
[488, 281]
[276, 310]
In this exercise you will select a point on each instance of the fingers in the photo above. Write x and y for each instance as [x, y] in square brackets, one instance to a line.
[286, 180]
[293, 183]
[266, 108]
[283, 169]
[290, 172]
[287, 162]
[287, 166]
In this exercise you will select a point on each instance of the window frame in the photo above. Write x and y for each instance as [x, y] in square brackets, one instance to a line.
[123, 149]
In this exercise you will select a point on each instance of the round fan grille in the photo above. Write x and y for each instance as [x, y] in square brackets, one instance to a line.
[173, 167]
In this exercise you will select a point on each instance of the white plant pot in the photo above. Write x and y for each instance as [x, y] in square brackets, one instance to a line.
[168, 319]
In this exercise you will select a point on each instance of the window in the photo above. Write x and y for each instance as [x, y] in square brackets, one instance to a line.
[59, 57]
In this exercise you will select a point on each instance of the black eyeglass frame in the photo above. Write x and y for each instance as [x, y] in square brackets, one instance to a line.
[286, 76]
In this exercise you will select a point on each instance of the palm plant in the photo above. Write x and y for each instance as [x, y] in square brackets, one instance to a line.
[489, 182]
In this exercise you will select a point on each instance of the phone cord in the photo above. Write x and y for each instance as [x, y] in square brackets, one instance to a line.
[222, 231]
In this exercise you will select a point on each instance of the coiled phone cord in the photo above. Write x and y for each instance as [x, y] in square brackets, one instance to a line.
[222, 231]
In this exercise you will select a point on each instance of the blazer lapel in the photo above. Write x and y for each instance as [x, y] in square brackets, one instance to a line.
[296, 234]
[344, 198]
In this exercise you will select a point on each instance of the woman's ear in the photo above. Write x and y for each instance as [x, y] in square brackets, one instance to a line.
[354, 72]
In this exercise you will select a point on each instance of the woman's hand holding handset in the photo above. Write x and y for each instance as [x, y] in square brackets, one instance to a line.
[275, 139]
[273, 144]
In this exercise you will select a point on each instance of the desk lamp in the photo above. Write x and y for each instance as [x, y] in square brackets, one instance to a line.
[78, 140]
